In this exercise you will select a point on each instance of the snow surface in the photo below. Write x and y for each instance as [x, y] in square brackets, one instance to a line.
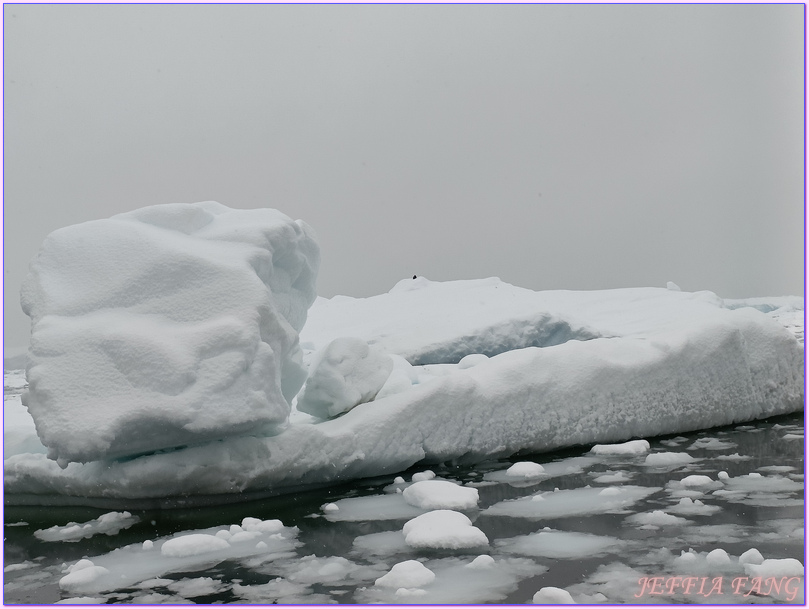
[166, 326]
[480, 369]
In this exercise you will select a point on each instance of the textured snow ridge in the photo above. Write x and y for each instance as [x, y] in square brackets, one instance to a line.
[166, 326]
[666, 361]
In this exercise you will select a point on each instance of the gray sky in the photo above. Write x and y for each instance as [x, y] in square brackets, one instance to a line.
[575, 147]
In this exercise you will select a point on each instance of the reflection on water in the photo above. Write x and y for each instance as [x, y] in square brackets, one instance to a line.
[754, 513]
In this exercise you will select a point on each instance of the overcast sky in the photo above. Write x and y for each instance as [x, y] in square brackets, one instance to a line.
[575, 147]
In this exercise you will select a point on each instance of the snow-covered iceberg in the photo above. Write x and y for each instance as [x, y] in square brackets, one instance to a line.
[480, 369]
[166, 326]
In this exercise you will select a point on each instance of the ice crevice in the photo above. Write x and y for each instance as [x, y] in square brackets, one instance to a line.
[180, 351]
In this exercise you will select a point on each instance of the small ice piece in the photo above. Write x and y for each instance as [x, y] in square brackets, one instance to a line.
[711, 444]
[664, 459]
[633, 447]
[147, 545]
[550, 595]
[723, 475]
[443, 529]
[751, 557]
[427, 474]
[441, 494]
[331, 507]
[407, 574]
[717, 558]
[657, 518]
[410, 592]
[611, 477]
[525, 469]
[574, 502]
[192, 545]
[348, 372]
[559, 544]
[81, 574]
[398, 480]
[670, 285]
[776, 567]
[195, 587]
[484, 561]
[697, 480]
[693, 507]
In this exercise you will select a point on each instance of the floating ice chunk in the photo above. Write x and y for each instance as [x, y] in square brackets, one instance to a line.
[666, 459]
[633, 447]
[398, 480]
[410, 592]
[711, 444]
[321, 570]
[108, 524]
[550, 595]
[348, 372]
[407, 574]
[455, 583]
[670, 285]
[440, 494]
[657, 518]
[723, 476]
[443, 529]
[386, 543]
[574, 502]
[178, 323]
[776, 567]
[331, 507]
[559, 544]
[126, 566]
[197, 586]
[525, 469]
[81, 575]
[82, 600]
[611, 477]
[19, 566]
[425, 475]
[697, 480]
[751, 557]
[733, 457]
[372, 507]
[192, 545]
[693, 507]
[717, 558]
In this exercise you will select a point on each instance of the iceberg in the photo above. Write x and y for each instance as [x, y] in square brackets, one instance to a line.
[166, 326]
[430, 372]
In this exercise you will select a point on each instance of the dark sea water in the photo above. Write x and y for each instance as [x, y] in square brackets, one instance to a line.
[766, 513]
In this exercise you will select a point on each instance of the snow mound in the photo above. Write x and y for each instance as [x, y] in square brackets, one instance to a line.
[407, 574]
[166, 326]
[443, 529]
[550, 595]
[346, 373]
[525, 469]
[440, 495]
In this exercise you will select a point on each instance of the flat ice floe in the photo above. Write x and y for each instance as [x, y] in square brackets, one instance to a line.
[560, 544]
[186, 551]
[475, 369]
[108, 524]
[576, 502]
